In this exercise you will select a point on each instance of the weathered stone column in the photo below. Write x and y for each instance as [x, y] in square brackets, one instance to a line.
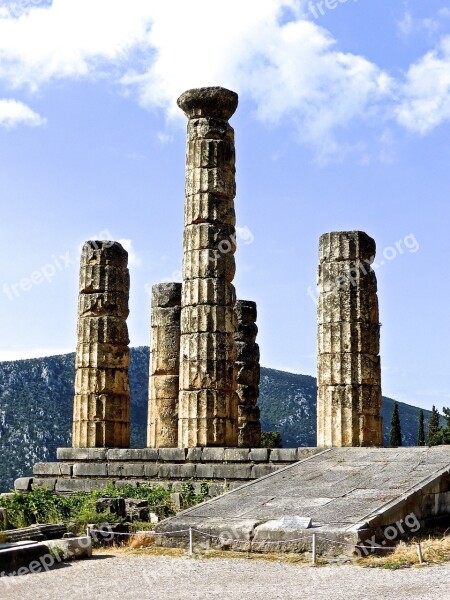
[208, 400]
[248, 375]
[102, 397]
[349, 375]
[164, 366]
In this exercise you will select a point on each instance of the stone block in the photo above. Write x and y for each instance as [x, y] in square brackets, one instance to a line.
[131, 454]
[349, 337]
[283, 455]
[349, 369]
[72, 548]
[236, 471]
[164, 387]
[208, 319]
[208, 291]
[102, 278]
[165, 317]
[248, 375]
[247, 353]
[48, 483]
[246, 311]
[70, 486]
[204, 236]
[210, 208]
[80, 454]
[137, 510]
[339, 306]
[105, 434]
[215, 181]
[90, 470]
[100, 330]
[166, 295]
[246, 332]
[176, 500]
[213, 454]
[102, 381]
[194, 454]
[111, 303]
[177, 471]
[116, 506]
[102, 356]
[172, 454]
[58, 469]
[249, 432]
[209, 263]
[237, 454]
[151, 470]
[205, 471]
[93, 485]
[207, 375]
[131, 470]
[259, 454]
[348, 245]
[206, 346]
[207, 153]
[23, 484]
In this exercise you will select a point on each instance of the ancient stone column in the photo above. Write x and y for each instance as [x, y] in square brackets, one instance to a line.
[164, 366]
[208, 400]
[349, 375]
[102, 396]
[248, 375]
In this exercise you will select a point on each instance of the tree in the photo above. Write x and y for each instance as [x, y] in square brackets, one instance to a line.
[271, 439]
[434, 428]
[421, 430]
[395, 436]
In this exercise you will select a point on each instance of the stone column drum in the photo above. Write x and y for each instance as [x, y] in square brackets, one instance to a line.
[102, 395]
[208, 400]
[248, 375]
[164, 366]
[349, 375]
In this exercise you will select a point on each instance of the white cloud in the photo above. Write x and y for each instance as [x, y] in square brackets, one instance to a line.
[425, 102]
[261, 48]
[133, 259]
[14, 113]
[267, 50]
[406, 24]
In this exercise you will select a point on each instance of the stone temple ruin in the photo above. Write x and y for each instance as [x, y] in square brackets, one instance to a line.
[203, 418]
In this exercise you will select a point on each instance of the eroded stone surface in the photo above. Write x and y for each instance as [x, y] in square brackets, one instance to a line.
[102, 396]
[208, 412]
[247, 361]
[164, 366]
[349, 373]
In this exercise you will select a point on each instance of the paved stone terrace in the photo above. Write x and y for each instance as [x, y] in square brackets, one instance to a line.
[340, 489]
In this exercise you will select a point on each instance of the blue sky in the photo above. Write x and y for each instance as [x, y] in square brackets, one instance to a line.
[343, 123]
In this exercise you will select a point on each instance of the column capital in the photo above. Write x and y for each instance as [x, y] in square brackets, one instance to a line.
[216, 102]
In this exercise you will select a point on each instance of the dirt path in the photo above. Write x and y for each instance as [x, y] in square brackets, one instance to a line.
[139, 577]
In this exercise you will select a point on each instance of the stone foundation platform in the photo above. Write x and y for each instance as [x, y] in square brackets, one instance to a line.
[86, 469]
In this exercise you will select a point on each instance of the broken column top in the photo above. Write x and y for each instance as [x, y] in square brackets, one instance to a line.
[166, 295]
[246, 311]
[217, 102]
[104, 252]
[346, 245]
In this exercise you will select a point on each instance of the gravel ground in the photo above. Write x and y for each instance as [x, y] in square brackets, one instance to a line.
[138, 577]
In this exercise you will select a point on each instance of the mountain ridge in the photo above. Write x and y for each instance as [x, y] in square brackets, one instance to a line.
[36, 398]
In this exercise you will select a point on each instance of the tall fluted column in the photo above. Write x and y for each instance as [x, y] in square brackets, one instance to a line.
[102, 396]
[248, 375]
[208, 400]
[164, 366]
[349, 375]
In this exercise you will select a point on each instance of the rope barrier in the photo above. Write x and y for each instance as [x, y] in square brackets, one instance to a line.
[239, 541]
